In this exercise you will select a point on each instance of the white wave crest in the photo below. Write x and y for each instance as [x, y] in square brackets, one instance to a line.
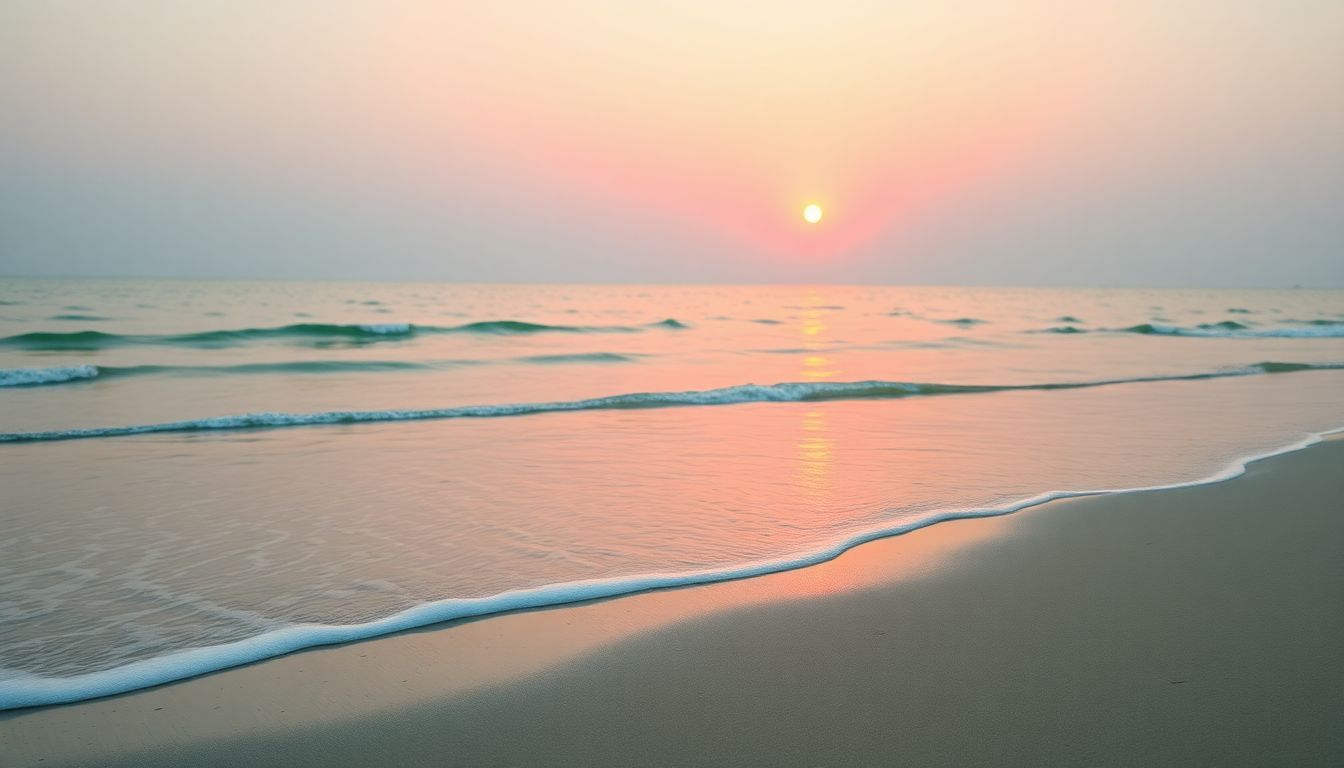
[27, 377]
[390, 329]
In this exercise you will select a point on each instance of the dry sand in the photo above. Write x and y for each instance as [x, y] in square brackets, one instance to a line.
[1200, 626]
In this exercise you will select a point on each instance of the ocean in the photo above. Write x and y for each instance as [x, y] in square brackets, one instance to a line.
[195, 475]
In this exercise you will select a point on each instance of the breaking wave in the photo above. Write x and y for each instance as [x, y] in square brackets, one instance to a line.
[28, 377]
[742, 393]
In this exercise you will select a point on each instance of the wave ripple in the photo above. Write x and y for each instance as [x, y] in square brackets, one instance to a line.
[316, 333]
[741, 393]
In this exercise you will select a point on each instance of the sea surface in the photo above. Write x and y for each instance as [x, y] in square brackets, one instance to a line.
[195, 475]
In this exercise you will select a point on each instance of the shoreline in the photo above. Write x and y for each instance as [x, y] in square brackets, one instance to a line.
[187, 665]
[474, 691]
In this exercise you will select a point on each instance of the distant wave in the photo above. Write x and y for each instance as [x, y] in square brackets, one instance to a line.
[89, 340]
[510, 327]
[1231, 329]
[742, 393]
[22, 689]
[1227, 329]
[27, 377]
[52, 341]
[18, 377]
[582, 357]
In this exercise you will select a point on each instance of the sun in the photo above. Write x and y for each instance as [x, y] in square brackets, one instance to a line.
[812, 213]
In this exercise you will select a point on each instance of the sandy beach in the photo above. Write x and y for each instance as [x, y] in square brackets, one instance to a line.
[1198, 626]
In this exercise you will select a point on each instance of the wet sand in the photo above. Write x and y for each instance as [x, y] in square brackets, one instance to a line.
[1198, 626]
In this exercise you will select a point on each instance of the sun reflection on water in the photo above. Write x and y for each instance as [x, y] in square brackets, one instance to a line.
[815, 447]
[815, 456]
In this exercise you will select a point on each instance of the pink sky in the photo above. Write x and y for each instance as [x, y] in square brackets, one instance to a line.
[1195, 142]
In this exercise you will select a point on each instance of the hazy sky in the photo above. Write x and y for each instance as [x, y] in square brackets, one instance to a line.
[1140, 142]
